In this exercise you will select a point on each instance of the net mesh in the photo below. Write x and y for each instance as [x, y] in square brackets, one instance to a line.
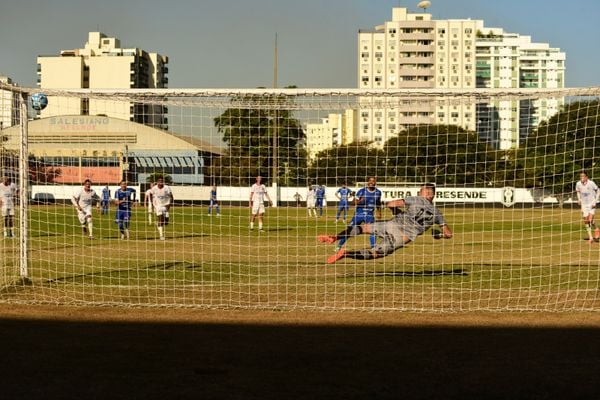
[505, 164]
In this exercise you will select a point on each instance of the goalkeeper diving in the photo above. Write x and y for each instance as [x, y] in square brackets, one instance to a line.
[413, 216]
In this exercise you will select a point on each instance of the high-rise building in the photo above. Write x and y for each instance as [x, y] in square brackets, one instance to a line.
[103, 64]
[9, 105]
[413, 51]
[509, 60]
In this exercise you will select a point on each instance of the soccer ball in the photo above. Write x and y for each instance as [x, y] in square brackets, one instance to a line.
[39, 101]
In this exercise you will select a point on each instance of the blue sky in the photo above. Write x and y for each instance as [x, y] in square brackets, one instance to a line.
[229, 43]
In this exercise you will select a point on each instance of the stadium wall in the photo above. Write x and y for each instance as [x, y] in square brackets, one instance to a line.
[506, 196]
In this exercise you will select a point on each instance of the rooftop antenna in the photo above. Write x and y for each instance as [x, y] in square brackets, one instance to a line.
[425, 4]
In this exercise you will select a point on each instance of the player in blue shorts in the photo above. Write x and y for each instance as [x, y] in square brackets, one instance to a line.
[320, 198]
[214, 202]
[105, 200]
[367, 201]
[343, 194]
[124, 198]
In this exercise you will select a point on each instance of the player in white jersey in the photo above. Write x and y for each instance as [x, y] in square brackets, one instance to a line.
[420, 214]
[83, 201]
[258, 192]
[148, 202]
[162, 199]
[310, 201]
[588, 196]
[8, 192]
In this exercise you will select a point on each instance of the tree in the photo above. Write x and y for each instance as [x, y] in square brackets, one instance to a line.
[560, 148]
[444, 154]
[153, 177]
[249, 128]
[350, 163]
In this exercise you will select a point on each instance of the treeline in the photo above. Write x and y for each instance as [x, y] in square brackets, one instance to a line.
[549, 159]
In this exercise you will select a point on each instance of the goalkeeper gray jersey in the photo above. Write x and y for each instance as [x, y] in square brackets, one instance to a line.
[419, 216]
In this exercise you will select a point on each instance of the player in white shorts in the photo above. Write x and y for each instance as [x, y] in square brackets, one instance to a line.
[83, 201]
[148, 202]
[258, 192]
[162, 199]
[588, 196]
[8, 192]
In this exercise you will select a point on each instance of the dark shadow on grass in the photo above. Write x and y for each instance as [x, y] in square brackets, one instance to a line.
[422, 274]
[125, 360]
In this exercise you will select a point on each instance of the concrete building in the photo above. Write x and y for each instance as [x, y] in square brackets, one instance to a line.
[9, 104]
[104, 64]
[414, 51]
[509, 60]
[335, 130]
[71, 148]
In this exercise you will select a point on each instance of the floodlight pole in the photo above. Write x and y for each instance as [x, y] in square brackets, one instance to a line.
[23, 190]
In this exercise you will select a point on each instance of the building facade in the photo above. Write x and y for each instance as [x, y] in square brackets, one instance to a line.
[104, 64]
[70, 148]
[334, 130]
[9, 104]
[413, 51]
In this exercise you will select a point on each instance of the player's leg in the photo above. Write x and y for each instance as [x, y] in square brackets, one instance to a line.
[261, 212]
[126, 223]
[350, 231]
[373, 238]
[160, 219]
[253, 216]
[587, 223]
[150, 211]
[218, 209]
[81, 216]
[90, 224]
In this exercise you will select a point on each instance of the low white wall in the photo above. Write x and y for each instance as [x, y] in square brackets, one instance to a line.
[507, 196]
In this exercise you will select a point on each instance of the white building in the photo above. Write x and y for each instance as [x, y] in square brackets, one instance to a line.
[509, 60]
[413, 51]
[9, 105]
[103, 64]
[335, 130]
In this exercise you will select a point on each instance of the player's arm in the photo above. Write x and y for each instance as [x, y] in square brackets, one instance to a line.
[447, 232]
[396, 206]
[268, 198]
[171, 200]
[75, 201]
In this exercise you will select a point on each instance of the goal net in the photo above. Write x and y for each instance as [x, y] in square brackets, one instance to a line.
[504, 163]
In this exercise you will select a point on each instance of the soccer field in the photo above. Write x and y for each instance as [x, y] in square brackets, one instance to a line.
[499, 259]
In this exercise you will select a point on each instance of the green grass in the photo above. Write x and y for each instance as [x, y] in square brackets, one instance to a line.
[525, 259]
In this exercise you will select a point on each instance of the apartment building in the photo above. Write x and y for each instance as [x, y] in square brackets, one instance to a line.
[334, 130]
[104, 64]
[413, 51]
[9, 105]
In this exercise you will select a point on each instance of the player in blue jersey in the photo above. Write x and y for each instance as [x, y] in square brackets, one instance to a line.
[320, 198]
[105, 200]
[419, 215]
[343, 194]
[213, 202]
[368, 202]
[124, 199]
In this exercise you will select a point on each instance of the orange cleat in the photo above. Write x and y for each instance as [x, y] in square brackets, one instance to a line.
[326, 239]
[337, 256]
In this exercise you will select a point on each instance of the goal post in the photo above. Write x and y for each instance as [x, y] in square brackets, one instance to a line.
[504, 164]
